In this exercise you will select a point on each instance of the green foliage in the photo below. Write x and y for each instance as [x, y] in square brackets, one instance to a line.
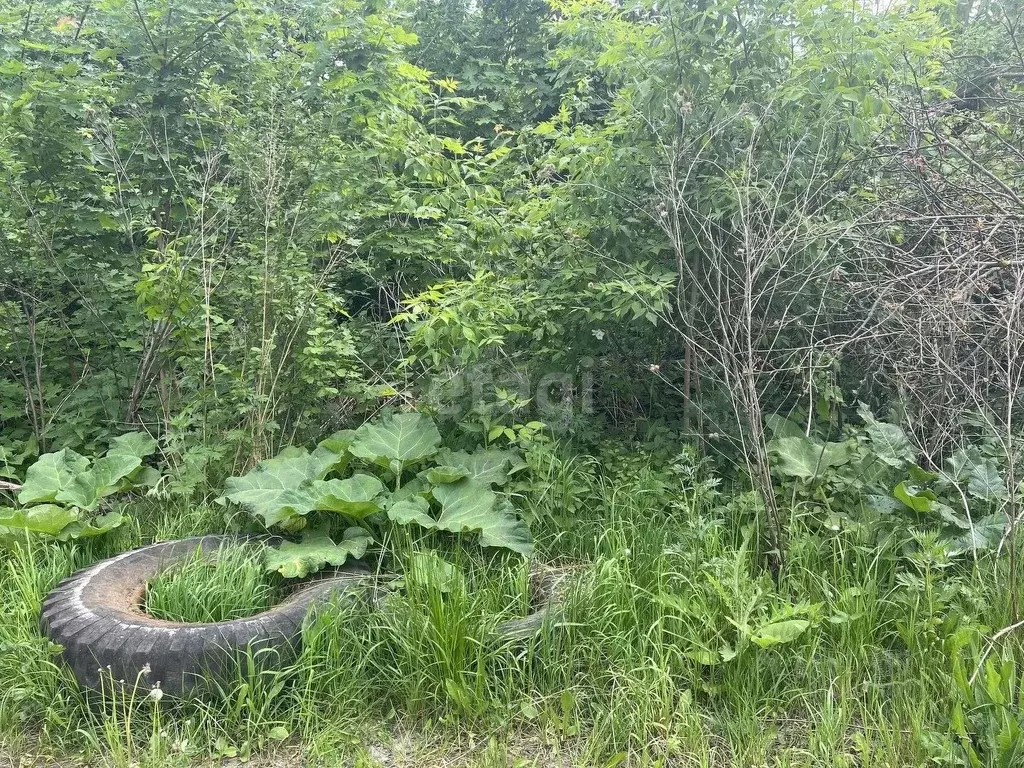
[986, 718]
[469, 507]
[85, 484]
[397, 441]
[50, 519]
[230, 583]
[872, 483]
[672, 639]
[314, 551]
[61, 489]
[805, 459]
[285, 490]
[726, 615]
[246, 225]
[489, 467]
[271, 171]
[292, 485]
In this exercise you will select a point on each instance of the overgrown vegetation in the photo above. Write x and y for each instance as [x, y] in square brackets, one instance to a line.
[709, 313]
[232, 584]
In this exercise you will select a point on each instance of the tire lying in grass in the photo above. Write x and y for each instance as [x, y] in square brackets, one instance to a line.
[547, 596]
[97, 616]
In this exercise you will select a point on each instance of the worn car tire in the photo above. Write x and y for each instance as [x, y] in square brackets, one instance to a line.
[96, 615]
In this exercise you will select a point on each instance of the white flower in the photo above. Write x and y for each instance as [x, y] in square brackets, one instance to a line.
[146, 669]
[155, 693]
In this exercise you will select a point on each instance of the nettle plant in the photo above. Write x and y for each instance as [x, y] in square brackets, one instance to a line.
[65, 495]
[871, 482]
[390, 472]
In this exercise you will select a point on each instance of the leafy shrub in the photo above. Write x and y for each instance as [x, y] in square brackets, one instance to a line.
[405, 478]
[987, 718]
[62, 489]
[871, 482]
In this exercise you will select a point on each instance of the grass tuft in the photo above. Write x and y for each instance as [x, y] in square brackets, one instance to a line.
[232, 583]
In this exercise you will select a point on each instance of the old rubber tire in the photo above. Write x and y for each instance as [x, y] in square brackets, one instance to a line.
[96, 615]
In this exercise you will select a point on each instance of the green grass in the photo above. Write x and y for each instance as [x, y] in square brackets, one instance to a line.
[664, 578]
[231, 583]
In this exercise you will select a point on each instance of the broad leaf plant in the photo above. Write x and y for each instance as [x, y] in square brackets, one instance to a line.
[389, 472]
[64, 492]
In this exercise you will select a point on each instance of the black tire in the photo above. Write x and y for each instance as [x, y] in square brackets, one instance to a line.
[546, 587]
[96, 616]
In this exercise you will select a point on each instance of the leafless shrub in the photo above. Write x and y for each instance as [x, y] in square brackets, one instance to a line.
[939, 281]
[757, 286]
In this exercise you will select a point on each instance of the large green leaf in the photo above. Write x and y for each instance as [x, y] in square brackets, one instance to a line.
[805, 459]
[985, 534]
[50, 475]
[338, 445]
[890, 444]
[137, 444]
[279, 488]
[888, 441]
[443, 474]
[467, 507]
[315, 550]
[397, 441]
[102, 479]
[950, 515]
[413, 509]
[883, 505]
[917, 498]
[985, 482]
[779, 632]
[958, 466]
[95, 527]
[356, 496]
[780, 426]
[49, 519]
[485, 467]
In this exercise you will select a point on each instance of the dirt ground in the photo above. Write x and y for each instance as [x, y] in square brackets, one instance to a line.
[406, 750]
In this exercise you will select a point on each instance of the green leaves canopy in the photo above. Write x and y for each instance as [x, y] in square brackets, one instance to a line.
[269, 494]
[779, 632]
[57, 521]
[485, 467]
[69, 478]
[49, 519]
[292, 484]
[283, 490]
[889, 441]
[64, 484]
[51, 475]
[102, 479]
[467, 507]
